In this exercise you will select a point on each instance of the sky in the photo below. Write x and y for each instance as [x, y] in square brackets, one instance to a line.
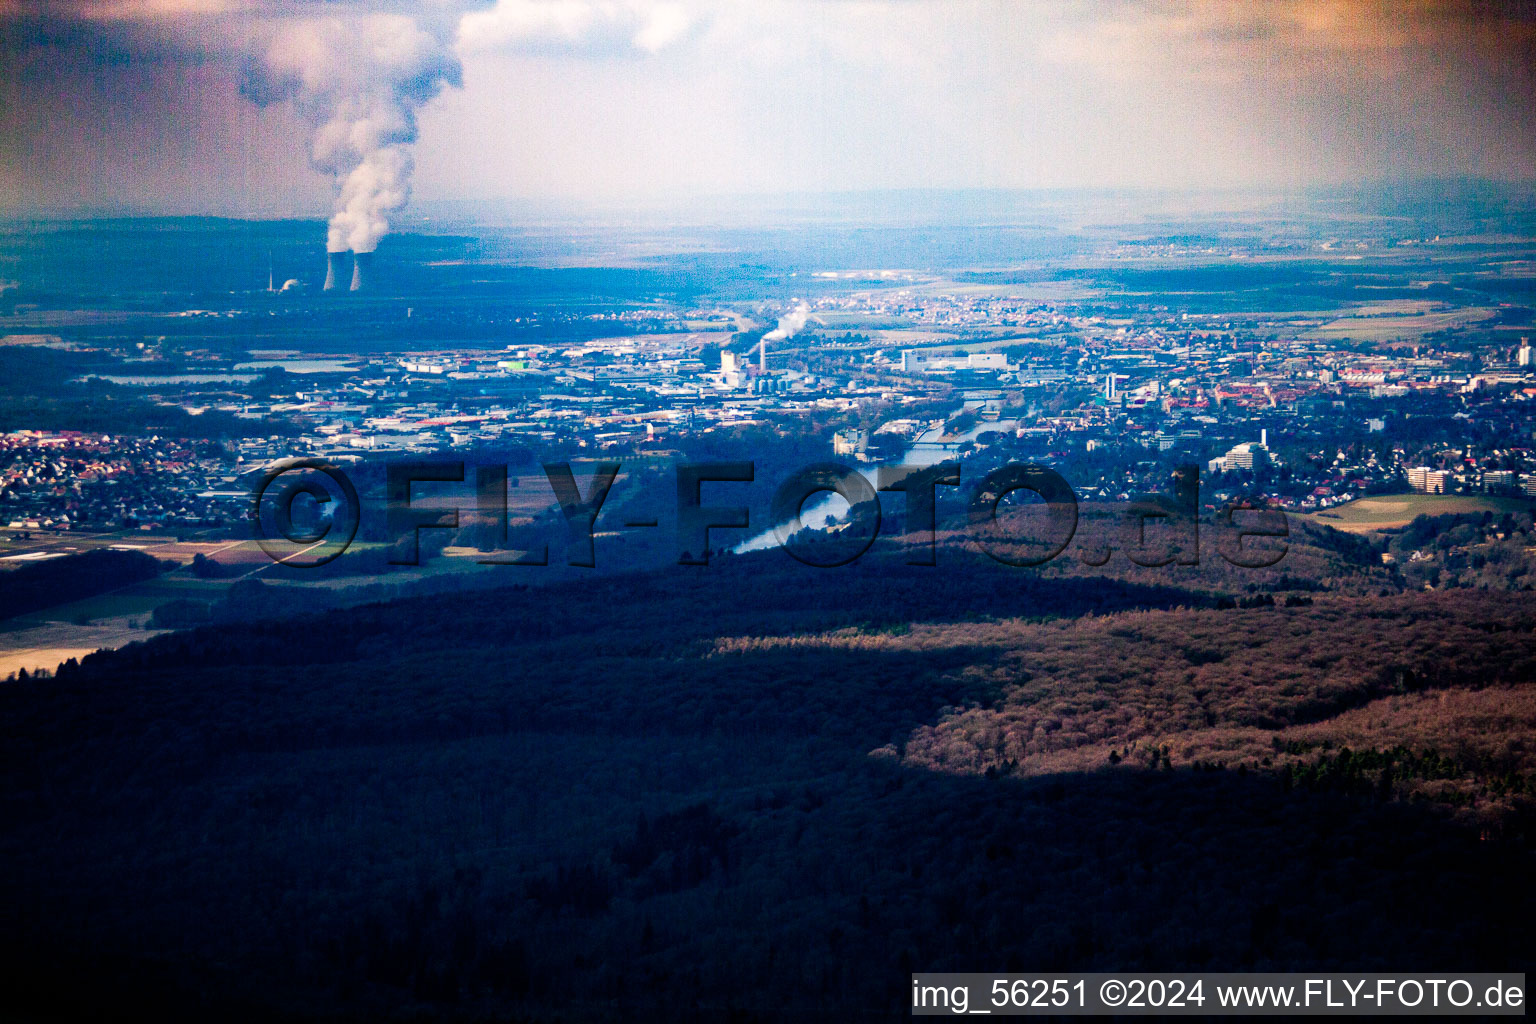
[292, 107]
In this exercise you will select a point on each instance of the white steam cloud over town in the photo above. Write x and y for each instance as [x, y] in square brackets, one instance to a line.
[361, 79]
[143, 103]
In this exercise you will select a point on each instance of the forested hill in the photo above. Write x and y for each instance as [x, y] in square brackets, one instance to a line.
[764, 791]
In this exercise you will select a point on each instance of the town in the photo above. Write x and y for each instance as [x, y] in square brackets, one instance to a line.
[1284, 410]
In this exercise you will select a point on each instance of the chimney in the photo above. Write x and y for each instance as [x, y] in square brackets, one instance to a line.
[1264, 438]
[362, 271]
[335, 266]
[762, 356]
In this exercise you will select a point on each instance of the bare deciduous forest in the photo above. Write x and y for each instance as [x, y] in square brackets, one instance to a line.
[766, 790]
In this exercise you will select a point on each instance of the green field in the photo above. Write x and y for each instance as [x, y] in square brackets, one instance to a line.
[1393, 511]
[1392, 320]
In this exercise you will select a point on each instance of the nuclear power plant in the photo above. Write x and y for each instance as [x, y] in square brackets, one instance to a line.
[362, 271]
[336, 270]
[335, 267]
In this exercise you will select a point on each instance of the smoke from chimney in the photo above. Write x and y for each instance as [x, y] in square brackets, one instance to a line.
[360, 82]
[790, 324]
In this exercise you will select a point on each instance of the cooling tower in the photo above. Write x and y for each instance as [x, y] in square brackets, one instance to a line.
[362, 271]
[335, 266]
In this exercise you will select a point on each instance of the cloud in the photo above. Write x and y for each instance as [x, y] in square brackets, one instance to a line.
[101, 99]
[590, 25]
[1235, 34]
[361, 82]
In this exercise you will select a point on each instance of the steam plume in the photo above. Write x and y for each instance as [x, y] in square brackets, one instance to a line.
[790, 324]
[361, 82]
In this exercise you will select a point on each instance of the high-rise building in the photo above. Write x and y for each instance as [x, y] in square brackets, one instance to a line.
[849, 442]
[1499, 479]
[1248, 455]
[1429, 481]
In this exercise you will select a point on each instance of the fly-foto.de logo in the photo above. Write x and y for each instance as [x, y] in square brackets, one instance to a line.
[1037, 525]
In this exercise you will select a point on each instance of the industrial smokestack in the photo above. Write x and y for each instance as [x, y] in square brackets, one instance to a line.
[362, 271]
[790, 324]
[335, 267]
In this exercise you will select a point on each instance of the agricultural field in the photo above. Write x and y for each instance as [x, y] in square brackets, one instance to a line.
[1389, 321]
[1394, 511]
[45, 646]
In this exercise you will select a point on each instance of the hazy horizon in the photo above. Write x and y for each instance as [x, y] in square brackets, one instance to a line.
[259, 109]
[1058, 208]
